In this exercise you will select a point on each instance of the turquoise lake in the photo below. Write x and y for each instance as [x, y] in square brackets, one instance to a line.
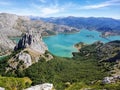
[63, 44]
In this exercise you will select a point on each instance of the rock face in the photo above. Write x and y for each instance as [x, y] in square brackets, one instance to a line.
[45, 86]
[112, 79]
[26, 58]
[5, 44]
[7, 22]
[29, 43]
[33, 42]
[2, 88]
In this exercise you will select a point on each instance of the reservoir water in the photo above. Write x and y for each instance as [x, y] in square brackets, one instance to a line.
[63, 44]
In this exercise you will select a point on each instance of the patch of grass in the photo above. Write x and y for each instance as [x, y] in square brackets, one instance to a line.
[11, 83]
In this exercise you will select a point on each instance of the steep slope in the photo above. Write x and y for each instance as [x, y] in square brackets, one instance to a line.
[5, 44]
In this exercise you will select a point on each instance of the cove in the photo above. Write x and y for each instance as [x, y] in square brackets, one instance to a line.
[63, 44]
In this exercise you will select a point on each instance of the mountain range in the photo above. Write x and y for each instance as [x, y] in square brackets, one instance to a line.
[91, 23]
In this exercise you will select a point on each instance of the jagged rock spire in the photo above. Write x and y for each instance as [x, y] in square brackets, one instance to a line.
[32, 41]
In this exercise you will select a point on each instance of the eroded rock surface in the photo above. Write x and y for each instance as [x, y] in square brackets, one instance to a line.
[33, 42]
[45, 86]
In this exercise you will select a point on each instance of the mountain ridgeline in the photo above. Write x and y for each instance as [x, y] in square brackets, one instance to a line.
[101, 24]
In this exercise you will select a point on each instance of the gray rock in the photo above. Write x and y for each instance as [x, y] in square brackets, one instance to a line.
[45, 86]
[5, 44]
[26, 58]
[2, 88]
[111, 79]
[106, 80]
[33, 42]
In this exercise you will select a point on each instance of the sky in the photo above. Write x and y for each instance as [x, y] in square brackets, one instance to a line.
[62, 8]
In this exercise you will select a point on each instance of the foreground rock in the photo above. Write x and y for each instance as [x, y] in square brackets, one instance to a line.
[112, 79]
[45, 86]
[26, 58]
[2, 88]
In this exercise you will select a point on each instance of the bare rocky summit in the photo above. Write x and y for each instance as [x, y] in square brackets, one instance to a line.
[33, 42]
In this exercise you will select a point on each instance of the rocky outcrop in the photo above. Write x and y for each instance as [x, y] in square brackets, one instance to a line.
[2, 88]
[26, 58]
[33, 42]
[30, 49]
[45, 86]
[79, 45]
[112, 79]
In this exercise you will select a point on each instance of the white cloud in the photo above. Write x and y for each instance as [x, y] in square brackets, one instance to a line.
[48, 11]
[101, 5]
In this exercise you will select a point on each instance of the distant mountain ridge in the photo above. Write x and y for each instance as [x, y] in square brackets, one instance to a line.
[101, 24]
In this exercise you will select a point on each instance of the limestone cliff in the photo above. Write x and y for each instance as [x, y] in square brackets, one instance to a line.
[33, 42]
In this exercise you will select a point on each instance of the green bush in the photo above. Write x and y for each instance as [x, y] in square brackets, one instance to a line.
[11, 83]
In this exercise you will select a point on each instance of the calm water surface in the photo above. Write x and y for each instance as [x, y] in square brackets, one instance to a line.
[63, 44]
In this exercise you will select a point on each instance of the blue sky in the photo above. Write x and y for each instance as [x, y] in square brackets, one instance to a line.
[61, 8]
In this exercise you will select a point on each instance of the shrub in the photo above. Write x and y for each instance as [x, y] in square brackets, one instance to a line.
[11, 83]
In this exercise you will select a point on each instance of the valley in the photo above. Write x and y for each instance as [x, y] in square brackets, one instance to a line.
[59, 57]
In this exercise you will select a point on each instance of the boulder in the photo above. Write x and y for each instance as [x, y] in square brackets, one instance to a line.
[45, 86]
[26, 58]
[2, 88]
[112, 79]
